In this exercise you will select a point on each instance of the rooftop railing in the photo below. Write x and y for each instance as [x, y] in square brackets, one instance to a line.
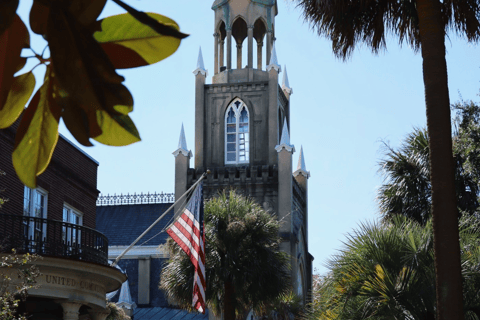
[141, 198]
[47, 237]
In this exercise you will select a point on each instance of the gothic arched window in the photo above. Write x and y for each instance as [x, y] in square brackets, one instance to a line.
[237, 137]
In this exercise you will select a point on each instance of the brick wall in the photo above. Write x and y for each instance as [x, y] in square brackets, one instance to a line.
[70, 178]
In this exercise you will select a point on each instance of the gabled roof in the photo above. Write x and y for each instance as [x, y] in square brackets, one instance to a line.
[122, 224]
[167, 314]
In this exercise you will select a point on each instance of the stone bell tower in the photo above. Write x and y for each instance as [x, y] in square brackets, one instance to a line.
[242, 127]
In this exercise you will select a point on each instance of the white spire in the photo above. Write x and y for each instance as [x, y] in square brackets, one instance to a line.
[273, 61]
[200, 67]
[182, 142]
[182, 145]
[285, 140]
[301, 168]
[285, 84]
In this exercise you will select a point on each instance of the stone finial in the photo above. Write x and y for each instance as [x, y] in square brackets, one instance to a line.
[301, 168]
[285, 140]
[182, 145]
[285, 83]
[273, 61]
[200, 66]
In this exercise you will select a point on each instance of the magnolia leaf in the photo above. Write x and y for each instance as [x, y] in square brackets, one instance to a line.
[76, 121]
[86, 11]
[12, 41]
[39, 17]
[117, 130]
[20, 91]
[87, 80]
[130, 44]
[7, 14]
[37, 134]
[161, 28]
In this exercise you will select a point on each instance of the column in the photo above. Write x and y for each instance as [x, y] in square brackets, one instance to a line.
[269, 46]
[70, 309]
[222, 47]
[216, 35]
[259, 55]
[229, 49]
[239, 56]
[250, 46]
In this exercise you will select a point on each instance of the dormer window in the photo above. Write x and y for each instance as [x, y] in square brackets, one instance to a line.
[237, 137]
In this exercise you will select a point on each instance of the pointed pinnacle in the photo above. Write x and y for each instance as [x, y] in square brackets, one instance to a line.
[273, 61]
[301, 161]
[200, 66]
[200, 60]
[285, 83]
[285, 139]
[182, 142]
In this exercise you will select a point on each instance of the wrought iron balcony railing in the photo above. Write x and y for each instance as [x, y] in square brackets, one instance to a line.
[52, 238]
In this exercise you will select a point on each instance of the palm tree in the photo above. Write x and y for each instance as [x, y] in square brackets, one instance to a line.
[386, 271]
[422, 24]
[244, 267]
[407, 188]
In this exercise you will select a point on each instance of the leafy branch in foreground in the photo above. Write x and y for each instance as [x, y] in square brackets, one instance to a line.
[81, 84]
[14, 290]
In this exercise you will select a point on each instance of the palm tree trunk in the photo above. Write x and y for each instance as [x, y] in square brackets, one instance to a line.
[229, 300]
[444, 209]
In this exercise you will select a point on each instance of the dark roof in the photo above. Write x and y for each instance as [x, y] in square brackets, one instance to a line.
[122, 224]
[166, 314]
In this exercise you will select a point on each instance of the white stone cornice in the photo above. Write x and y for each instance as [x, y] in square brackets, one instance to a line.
[186, 153]
[288, 147]
[302, 172]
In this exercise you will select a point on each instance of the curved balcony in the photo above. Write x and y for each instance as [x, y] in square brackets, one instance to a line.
[52, 238]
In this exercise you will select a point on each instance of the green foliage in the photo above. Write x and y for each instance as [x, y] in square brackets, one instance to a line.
[406, 170]
[242, 247]
[116, 313]
[14, 290]
[386, 271]
[348, 23]
[287, 306]
[81, 83]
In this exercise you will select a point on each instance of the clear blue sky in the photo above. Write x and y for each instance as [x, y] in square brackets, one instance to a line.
[340, 113]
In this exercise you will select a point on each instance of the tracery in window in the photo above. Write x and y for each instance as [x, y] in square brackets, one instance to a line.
[237, 137]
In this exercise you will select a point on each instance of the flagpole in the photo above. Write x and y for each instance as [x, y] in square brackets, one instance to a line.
[160, 218]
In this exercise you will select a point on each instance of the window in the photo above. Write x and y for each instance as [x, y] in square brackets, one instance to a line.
[35, 207]
[237, 137]
[71, 234]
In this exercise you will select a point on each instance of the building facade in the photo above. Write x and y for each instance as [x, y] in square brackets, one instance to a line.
[57, 222]
[242, 128]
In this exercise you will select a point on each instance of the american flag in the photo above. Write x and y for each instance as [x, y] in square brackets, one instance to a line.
[187, 231]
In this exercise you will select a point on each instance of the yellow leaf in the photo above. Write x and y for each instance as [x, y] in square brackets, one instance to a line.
[117, 130]
[20, 91]
[37, 134]
[123, 36]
